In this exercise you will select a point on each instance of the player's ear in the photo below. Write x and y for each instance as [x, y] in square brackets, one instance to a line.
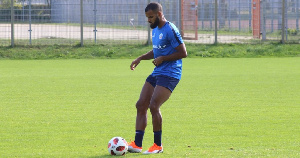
[159, 13]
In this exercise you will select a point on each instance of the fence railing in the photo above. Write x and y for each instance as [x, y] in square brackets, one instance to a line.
[80, 22]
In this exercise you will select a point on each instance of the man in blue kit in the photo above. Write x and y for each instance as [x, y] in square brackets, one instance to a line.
[168, 51]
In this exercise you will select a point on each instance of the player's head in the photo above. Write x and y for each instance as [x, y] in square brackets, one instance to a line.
[154, 13]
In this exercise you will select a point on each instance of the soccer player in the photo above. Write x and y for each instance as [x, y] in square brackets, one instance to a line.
[168, 51]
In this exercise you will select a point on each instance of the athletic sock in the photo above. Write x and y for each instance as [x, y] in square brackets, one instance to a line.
[157, 137]
[139, 135]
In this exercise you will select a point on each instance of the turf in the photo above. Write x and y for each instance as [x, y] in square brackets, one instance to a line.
[221, 108]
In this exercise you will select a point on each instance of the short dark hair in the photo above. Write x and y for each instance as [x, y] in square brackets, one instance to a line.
[154, 6]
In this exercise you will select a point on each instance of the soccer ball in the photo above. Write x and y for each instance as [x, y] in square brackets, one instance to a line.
[117, 146]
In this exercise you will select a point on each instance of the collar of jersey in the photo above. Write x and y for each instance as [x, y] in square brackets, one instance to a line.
[163, 26]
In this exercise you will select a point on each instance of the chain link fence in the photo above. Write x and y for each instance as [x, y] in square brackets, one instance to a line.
[78, 22]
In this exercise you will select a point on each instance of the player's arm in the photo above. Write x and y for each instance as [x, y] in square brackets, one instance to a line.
[149, 55]
[179, 54]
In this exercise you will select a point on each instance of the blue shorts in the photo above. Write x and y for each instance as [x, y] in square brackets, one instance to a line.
[164, 81]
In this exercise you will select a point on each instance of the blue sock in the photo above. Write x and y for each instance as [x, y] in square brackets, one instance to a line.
[157, 137]
[139, 135]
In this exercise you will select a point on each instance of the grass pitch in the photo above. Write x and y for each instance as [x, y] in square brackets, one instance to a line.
[221, 108]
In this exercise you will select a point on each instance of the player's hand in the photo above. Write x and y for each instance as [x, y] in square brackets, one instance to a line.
[157, 61]
[135, 63]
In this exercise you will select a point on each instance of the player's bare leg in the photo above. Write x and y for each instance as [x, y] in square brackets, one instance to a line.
[160, 95]
[142, 106]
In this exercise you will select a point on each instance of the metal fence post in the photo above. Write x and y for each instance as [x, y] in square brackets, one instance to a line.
[250, 14]
[239, 15]
[210, 15]
[263, 27]
[12, 15]
[216, 21]
[286, 20]
[297, 15]
[81, 23]
[229, 15]
[283, 22]
[95, 20]
[202, 14]
[30, 22]
[179, 16]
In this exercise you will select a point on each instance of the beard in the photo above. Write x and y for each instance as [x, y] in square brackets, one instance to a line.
[155, 24]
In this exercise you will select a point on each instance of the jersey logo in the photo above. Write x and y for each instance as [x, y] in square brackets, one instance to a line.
[153, 35]
[161, 36]
[159, 46]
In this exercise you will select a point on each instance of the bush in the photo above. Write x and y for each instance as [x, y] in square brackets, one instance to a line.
[39, 13]
[292, 32]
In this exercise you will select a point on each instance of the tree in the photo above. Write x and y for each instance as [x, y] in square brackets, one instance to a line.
[5, 4]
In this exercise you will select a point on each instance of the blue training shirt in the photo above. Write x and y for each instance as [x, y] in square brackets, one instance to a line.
[165, 40]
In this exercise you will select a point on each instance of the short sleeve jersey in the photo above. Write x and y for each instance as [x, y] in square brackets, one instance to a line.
[165, 40]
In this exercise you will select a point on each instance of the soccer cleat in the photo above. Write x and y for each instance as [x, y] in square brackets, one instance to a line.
[133, 148]
[154, 149]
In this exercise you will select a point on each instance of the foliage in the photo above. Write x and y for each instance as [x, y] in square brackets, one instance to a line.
[39, 13]
[108, 51]
[5, 4]
[292, 32]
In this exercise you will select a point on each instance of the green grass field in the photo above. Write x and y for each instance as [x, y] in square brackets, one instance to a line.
[230, 107]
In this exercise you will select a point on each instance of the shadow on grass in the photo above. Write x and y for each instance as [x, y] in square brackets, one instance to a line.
[127, 155]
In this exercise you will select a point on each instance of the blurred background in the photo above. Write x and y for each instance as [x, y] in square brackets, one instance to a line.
[48, 22]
